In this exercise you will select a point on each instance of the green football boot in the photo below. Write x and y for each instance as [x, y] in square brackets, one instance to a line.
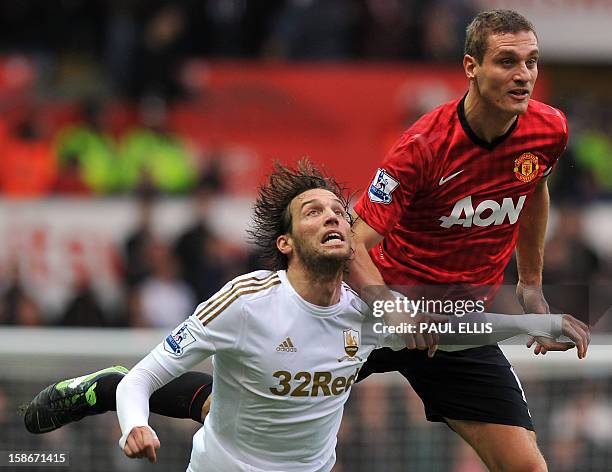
[66, 401]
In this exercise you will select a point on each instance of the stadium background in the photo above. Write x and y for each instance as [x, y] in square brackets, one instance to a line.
[132, 137]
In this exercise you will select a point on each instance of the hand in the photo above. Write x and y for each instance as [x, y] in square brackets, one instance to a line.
[532, 300]
[419, 331]
[141, 442]
[574, 329]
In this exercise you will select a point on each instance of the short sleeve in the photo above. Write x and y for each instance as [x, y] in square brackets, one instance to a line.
[562, 144]
[394, 185]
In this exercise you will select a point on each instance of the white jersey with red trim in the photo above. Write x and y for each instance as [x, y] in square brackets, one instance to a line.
[283, 370]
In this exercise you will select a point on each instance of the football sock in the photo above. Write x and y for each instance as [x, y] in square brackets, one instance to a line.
[183, 397]
[105, 393]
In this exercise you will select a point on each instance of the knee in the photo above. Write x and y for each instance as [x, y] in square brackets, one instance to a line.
[539, 466]
[536, 464]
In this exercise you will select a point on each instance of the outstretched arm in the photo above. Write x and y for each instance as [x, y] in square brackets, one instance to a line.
[478, 329]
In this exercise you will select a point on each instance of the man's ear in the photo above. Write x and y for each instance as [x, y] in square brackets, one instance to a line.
[469, 66]
[284, 243]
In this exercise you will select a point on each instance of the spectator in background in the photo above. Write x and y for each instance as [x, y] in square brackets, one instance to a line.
[152, 152]
[162, 299]
[120, 42]
[137, 264]
[17, 307]
[569, 258]
[205, 260]
[86, 154]
[160, 53]
[83, 309]
[572, 266]
[27, 163]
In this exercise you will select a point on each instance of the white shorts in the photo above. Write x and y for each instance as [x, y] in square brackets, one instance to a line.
[208, 455]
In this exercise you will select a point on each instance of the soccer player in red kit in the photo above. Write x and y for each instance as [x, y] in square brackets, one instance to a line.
[463, 187]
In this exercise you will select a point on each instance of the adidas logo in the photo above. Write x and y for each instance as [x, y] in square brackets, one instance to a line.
[286, 346]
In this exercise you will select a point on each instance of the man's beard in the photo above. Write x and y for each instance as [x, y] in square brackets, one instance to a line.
[321, 264]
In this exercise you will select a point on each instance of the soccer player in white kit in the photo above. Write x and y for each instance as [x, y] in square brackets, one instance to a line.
[287, 344]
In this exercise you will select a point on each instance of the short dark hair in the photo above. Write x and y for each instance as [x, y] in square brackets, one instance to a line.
[491, 22]
[271, 212]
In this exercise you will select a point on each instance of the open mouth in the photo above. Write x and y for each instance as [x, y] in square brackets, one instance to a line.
[332, 238]
[520, 94]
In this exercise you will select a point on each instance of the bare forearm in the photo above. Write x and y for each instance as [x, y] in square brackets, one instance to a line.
[532, 233]
[363, 276]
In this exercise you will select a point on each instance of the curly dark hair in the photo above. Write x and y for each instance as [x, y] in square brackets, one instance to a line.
[491, 22]
[271, 213]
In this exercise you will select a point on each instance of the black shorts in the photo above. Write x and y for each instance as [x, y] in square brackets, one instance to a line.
[475, 384]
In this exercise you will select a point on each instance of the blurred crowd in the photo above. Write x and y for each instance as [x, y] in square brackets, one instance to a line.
[86, 155]
[121, 64]
[161, 281]
[136, 45]
[98, 148]
[126, 57]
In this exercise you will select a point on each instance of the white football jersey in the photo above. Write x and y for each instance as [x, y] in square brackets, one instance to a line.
[283, 371]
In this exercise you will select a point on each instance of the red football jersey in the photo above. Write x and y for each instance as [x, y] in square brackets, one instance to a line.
[448, 203]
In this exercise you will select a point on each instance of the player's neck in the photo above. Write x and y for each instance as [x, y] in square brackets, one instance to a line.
[488, 123]
[316, 288]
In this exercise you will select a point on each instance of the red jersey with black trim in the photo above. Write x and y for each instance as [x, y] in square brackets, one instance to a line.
[448, 203]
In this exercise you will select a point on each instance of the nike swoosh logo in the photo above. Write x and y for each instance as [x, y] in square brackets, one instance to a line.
[443, 180]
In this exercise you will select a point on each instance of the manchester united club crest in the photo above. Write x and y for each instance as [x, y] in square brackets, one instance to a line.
[351, 345]
[526, 167]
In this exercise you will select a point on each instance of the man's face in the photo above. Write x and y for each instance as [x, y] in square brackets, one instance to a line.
[320, 234]
[508, 72]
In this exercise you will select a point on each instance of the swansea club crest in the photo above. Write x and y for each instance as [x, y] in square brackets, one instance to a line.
[351, 345]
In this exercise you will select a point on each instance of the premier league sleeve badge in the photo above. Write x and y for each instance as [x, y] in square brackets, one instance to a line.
[382, 187]
[178, 340]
